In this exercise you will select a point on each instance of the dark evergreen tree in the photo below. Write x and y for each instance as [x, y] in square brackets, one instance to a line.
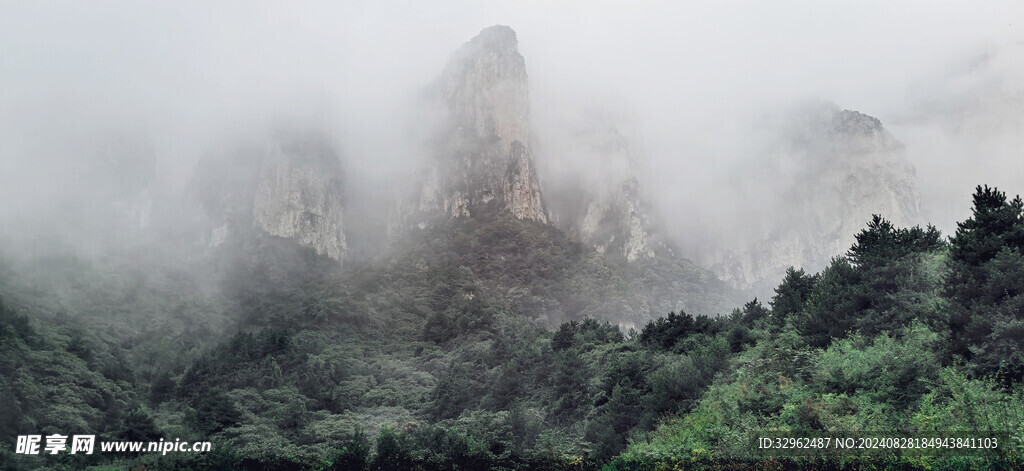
[881, 243]
[564, 337]
[665, 332]
[739, 336]
[986, 283]
[619, 407]
[753, 312]
[995, 223]
[887, 261]
[791, 294]
[571, 387]
[832, 305]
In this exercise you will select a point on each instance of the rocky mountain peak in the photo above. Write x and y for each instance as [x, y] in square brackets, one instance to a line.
[483, 161]
[486, 87]
[826, 173]
[824, 130]
[853, 122]
[498, 38]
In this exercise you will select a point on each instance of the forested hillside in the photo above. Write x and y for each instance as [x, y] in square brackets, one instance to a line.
[437, 360]
[439, 236]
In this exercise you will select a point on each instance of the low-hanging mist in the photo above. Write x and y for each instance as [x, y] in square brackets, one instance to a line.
[466, 236]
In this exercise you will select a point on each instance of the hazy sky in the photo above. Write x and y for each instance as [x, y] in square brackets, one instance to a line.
[182, 73]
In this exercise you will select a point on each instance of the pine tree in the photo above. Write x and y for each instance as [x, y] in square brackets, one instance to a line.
[995, 223]
[986, 283]
[881, 243]
[832, 305]
[886, 259]
[791, 294]
[753, 311]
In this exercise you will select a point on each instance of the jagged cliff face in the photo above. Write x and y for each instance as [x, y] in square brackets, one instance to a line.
[483, 161]
[601, 205]
[616, 221]
[288, 186]
[829, 171]
[297, 199]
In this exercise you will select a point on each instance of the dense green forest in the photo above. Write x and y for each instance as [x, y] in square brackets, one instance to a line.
[443, 358]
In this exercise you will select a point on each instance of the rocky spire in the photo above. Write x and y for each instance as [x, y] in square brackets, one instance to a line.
[483, 161]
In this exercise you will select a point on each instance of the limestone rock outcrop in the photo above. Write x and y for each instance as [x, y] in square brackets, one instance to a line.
[598, 202]
[482, 162]
[289, 185]
[828, 171]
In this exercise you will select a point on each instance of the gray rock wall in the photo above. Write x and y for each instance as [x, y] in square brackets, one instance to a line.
[483, 160]
[829, 171]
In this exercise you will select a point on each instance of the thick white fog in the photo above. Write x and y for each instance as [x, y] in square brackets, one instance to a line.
[689, 84]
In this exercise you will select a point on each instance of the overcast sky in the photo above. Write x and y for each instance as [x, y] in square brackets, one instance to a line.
[181, 73]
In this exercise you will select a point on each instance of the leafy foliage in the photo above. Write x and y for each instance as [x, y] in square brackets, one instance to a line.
[445, 354]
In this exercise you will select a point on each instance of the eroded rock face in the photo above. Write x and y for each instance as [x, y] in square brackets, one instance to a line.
[288, 186]
[300, 199]
[829, 171]
[486, 87]
[483, 161]
[600, 205]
